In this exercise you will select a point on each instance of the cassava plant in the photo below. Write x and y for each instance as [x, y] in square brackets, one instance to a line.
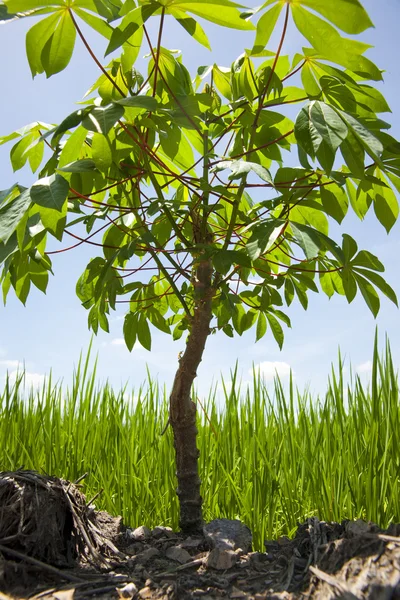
[183, 183]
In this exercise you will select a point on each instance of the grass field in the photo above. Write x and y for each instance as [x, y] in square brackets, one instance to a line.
[271, 460]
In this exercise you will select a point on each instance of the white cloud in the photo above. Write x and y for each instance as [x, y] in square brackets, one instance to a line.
[270, 369]
[31, 380]
[121, 342]
[365, 367]
[10, 364]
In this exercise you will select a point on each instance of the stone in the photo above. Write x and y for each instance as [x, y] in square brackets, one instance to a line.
[128, 591]
[160, 531]
[236, 593]
[145, 593]
[146, 555]
[178, 554]
[228, 534]
[221, 559]
[140, 533]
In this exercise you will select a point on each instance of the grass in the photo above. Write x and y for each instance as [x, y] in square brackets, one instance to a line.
[269, 460]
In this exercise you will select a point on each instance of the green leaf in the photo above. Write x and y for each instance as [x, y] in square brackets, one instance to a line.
[354, 155]
[334, 201]
[331, 45]
[222, 80]
[276, 329]
[369, 294]
[101, 152]
[54, 221]
[143, 333]
[309, 82]
[227, 16]
[360, 199]
[348, 15]
[349, 284]
[12, 213]
[146, 102]
[310, 239]
[386, 207]
[263, 238]
[5, 193]
[328, 124]
[50, 192]
[368, 261]
[261, 326]
[371, 144]
[265, 27]
[130, 329]
[349, 247]
[57, 51]
[84, 165]
[307, 240]
[36, 39]
[240, 168]
[95, 23]
[156, 319]
[191, 26]
[102, 118]
[21, 6]
[380, 283]
[8, 248]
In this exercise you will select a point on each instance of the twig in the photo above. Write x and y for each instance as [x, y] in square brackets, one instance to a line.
[81, 478]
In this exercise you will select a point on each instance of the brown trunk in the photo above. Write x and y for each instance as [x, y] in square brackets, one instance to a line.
[183, 411]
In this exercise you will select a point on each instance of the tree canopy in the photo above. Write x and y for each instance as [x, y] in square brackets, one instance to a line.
[182, 183]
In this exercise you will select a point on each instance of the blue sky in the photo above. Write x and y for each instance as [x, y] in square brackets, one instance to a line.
[51, 330]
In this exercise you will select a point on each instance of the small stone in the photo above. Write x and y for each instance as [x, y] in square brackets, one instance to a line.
[140, 533]
[221, 559]
[128, 591]
[178, 554]
[147, 555]
[358, 527]
[146, 593]
[228, 534]
[160, 531]
[236, 593]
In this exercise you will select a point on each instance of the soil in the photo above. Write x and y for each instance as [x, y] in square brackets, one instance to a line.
[54, 545]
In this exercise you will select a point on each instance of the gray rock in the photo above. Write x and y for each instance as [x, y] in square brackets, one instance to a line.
[160, 531]
[128, 591]
[228, 535]
[140, 533]
[221, 559]
[178, 554]
[147, 555]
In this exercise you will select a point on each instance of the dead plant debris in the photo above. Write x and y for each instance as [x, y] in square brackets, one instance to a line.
[54, 546]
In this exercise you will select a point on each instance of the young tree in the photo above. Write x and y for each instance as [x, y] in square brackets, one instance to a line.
[184, 187]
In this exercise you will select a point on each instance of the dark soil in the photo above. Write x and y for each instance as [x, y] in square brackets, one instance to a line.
[54, 546]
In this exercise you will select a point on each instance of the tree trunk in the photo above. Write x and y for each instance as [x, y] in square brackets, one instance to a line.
[182, 414]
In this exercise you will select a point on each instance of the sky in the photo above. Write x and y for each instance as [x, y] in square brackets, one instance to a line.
[51, 330]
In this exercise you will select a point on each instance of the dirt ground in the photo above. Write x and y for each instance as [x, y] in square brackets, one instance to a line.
[53, 545]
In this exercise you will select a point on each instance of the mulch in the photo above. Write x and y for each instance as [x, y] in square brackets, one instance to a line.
[54, 545]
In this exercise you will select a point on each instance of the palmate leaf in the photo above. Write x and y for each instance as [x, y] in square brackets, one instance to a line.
[220, 12]
[57, 51]
[326, 40]
[348, 15]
